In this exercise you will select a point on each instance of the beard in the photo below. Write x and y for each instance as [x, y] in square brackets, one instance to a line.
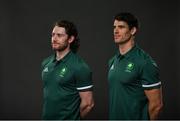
[59, 47]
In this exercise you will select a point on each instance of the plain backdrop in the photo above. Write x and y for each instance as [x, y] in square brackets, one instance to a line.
[25, 33]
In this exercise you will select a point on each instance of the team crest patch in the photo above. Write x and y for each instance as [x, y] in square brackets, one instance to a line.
[129, 67]
[63, 71]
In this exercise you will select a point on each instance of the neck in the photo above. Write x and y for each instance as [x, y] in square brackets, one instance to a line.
[124, 48]
[61, 54]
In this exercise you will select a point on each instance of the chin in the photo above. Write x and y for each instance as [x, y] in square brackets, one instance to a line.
[117, 41]
[55, 48]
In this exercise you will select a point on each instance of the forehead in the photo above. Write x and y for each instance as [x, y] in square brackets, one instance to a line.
[58, 29]
[117, 23]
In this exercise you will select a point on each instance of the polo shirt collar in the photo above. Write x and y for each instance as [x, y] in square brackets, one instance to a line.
[64, 58]
[127, 54]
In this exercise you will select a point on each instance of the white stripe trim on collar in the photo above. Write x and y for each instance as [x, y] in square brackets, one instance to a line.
[86, 87]
[151, 85]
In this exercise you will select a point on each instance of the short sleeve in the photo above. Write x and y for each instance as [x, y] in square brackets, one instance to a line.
[150, 75]
[83, 77]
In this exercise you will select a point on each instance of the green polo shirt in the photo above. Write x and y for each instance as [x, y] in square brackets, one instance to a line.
[62, 81]
[129, 75]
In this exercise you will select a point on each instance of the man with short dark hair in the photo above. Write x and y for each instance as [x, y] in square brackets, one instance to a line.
[67, 79]
[134, 84]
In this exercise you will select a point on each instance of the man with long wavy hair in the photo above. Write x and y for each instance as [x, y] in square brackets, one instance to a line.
[67, 79]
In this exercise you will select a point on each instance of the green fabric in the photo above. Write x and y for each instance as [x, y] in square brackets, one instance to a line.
[129, 75]
[62, 81]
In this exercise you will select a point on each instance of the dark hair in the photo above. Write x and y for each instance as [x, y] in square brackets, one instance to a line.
[71, 30]
[129, 18]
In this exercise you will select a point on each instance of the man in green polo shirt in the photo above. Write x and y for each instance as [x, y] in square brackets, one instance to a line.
[67, 79]
[134, 84]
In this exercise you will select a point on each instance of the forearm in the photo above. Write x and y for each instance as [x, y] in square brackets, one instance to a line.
[87, 103]
[84, 110]
[154, 111]
[155, 103]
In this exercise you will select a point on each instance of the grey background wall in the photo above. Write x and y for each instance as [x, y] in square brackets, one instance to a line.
[25, 29]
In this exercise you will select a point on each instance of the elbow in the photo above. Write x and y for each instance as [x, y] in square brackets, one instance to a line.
[85, 108]
[155, 110]
[90, 105]
[87, 105]
[158, 107]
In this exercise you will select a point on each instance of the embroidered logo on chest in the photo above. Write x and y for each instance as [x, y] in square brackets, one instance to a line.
[63, 71]
[129, 67]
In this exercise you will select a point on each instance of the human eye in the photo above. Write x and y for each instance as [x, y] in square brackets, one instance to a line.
[121, 26]
[60, 35]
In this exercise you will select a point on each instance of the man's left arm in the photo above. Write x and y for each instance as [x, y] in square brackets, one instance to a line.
[87, 102]
[155, 102]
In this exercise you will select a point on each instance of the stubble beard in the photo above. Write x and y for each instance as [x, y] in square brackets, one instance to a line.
[61, 47]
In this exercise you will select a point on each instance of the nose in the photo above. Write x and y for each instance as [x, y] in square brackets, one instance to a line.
[54, 37]
[115, 30]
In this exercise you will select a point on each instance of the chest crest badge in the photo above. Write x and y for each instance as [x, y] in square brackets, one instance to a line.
[63, 71]
[129, 67]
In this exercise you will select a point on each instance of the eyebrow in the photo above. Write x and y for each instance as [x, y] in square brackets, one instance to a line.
[121, 26]
[58, 33]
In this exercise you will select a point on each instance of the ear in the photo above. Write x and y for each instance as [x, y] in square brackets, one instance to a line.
[133, 31]
[71, 39]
